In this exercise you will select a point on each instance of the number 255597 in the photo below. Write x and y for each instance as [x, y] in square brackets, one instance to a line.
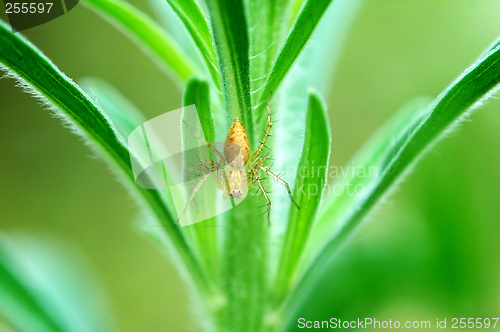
[28, 7]
[462, 323]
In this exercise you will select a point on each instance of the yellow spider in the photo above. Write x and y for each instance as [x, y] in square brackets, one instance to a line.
[236, 170]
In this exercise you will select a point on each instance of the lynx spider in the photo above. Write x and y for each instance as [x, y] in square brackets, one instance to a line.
[235, 158]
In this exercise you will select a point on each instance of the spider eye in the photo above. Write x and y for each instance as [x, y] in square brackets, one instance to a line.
[237, 193]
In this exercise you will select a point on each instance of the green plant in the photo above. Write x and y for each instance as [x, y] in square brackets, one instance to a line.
[249, 277]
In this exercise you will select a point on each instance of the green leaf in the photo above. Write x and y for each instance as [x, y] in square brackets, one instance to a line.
[244, 274]
[475, 85]
[368, 161]
[205, 233]
[244, 277]
[308, 192]
[25, 62]
[191, 16]
[268, 26]
[302, 29]
[123, 115]
[36, 294]
[230, 31]
[197, 93]
[149, 34]
[39, 76]
[266, 19]
[295, 6]
[314, 68]
[19, 307]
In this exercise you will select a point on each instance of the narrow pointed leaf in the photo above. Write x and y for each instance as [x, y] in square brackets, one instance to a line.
[148, 34]
[452, 106]
[50, 303]
[230, 31]
[197, 93]
[309, 186]
[290, 101]
[308, 18]
[369, 160]
[191, 16]
[266, 19]
[245, 229]
[205, 233]
[38, 75]
[124, 115]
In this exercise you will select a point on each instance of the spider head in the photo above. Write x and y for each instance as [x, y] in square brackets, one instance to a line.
[237, 182]
[237, 193]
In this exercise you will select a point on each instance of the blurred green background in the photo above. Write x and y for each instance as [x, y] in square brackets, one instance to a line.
[431, 251]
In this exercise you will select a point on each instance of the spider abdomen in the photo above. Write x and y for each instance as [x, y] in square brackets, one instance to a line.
[237, 148]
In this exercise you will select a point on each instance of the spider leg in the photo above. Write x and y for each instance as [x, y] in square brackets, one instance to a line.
[261, 160]
[267, 132]
[211, 146]
[266, 196]
[226, 182]
[219, 155]
[193, 192]
[193, 132]
[251, 178]
[268, 171]
[189, 170]
[205, 166]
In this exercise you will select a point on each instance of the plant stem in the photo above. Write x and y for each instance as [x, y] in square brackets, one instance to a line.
[245, 268]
